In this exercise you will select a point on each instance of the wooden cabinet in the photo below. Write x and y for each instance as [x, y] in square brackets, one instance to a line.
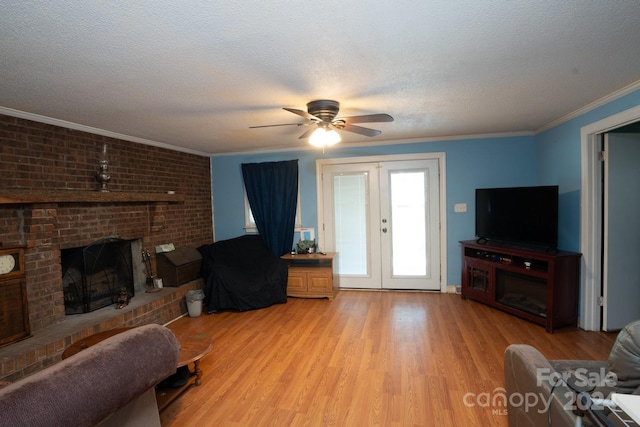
[14, 314]
[537, 285]
[478, 280]
[312, 275]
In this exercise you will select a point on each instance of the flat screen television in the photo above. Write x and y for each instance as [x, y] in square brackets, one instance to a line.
[522, 215]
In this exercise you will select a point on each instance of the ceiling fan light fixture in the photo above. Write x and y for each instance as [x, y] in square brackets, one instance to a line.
[323, 137]
[321, 118]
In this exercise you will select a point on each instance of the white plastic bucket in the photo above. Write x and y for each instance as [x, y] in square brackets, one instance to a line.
[194, 302]
[195, 308]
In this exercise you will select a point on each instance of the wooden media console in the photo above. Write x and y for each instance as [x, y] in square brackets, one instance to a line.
[535, 284]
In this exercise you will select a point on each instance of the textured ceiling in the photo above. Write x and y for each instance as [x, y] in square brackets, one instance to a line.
[196, 74]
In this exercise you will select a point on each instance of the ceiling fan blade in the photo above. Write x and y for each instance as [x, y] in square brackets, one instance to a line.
[302, 113]
[369, 118]
[308, 133]
[360, 130]
[283, 124]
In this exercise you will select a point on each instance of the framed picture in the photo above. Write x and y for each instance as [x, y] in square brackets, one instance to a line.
[307, 234]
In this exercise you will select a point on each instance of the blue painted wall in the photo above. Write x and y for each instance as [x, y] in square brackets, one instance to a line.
[550, 158]
[558, 157]
[470, 164]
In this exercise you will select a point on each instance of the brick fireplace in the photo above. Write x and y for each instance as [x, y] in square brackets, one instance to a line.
[49, 203]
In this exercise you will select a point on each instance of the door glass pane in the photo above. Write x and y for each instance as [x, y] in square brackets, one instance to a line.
[408, 217]
[350, 214]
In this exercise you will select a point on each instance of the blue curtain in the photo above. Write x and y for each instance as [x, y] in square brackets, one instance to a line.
[272, 190]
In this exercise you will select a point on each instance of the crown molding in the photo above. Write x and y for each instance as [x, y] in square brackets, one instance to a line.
[71, 125]
[591, 106]
[76, 126]
[340, 145]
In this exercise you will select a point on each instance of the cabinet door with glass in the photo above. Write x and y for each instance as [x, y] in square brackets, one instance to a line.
[477, 280]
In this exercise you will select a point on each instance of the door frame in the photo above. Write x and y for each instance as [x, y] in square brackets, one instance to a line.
[622, 180]
[440, 157]
[591, 216]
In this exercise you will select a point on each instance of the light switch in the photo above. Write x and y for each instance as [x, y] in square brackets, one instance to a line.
[460, 207]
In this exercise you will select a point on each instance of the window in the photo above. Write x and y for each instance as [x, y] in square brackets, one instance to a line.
[250, 224]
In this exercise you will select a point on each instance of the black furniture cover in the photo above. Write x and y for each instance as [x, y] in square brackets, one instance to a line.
[242, 274]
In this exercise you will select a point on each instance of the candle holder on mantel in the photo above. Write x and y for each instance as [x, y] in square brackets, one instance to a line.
[102, 175]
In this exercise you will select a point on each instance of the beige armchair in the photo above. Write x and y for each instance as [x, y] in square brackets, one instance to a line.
[537, 389]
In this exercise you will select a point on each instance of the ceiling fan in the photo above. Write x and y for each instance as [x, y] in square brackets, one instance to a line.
[321, 119]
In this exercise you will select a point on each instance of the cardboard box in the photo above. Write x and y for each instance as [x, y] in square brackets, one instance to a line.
[178, 267]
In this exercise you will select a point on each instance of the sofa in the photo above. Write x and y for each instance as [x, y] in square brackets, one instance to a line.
[531, 381]
[111, 383]
[242, 274]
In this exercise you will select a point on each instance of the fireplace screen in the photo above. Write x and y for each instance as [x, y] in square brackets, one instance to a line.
[92, 276]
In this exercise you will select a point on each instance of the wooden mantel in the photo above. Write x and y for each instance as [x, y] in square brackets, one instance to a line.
[27, 196]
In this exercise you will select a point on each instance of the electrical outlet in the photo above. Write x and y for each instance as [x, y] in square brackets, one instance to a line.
[460, 207]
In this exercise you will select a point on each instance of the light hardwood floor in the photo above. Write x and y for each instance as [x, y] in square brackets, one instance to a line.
[364, 359]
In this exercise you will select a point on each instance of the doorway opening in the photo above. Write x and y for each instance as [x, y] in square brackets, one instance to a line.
[591, 232]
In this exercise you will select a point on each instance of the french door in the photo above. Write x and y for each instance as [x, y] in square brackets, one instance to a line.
[383, 219]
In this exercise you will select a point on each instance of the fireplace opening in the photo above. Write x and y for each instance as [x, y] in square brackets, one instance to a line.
[523, 292]
[92, 276]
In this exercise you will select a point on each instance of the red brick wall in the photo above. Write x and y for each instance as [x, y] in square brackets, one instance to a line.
[40, 156]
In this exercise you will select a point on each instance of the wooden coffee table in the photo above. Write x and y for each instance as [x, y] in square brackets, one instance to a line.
[193, 347]
[87, 342]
